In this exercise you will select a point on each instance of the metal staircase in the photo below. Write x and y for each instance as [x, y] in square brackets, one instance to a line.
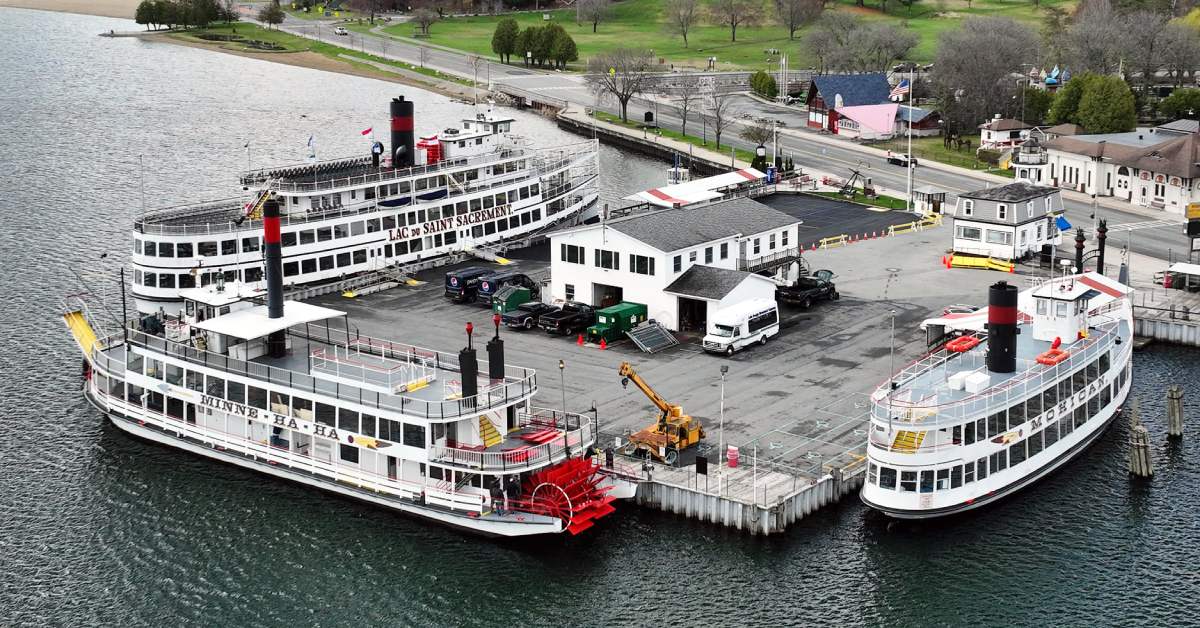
[255, 210]
[488, 432]
[652, 337]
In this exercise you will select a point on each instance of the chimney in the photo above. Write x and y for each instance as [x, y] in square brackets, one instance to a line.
[276, 342]
[403, 145]
[1002, 328]
[495, 351]
[468, 368]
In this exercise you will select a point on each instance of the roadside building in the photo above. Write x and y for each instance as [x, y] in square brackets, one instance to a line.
[682, 263]
[924, 122]
[1151, 167]
[844, 103]
[1007, 222]
[1065, 129]
[1002, 133]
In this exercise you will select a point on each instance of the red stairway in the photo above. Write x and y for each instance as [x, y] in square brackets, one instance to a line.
[569, 491]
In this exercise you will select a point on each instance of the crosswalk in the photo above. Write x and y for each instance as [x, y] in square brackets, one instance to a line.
[1144, 224]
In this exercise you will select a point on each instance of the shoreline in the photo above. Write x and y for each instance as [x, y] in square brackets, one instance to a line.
[101, 8]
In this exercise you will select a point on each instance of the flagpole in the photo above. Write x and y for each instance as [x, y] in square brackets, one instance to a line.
[911, 89]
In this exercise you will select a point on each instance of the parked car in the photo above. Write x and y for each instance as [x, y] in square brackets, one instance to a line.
[461, 284]
[959, 308]
[340, 31]
[526, 315]
[808, 290]
[901, 159]
[571, 318]
[491, 283]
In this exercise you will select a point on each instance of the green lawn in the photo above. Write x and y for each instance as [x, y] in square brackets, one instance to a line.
[931, 149]
[640, 23]
[879, 200]
[743, 155]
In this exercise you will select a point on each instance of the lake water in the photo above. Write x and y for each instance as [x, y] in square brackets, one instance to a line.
[97, 528]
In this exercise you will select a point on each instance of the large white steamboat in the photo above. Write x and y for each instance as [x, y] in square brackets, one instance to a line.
[1020, 388]
[284, 388]
[468, 188]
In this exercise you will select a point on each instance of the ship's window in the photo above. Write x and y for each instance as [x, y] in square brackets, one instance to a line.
[403, 187]
[166, 280]
[187, 280]
[347, 420]
[927, 481]
[327, 262]
[291, 269]
[1041, 307]
[229, 247]
[1016, 453]
[489, 228]
[348, 453]
[367, 426]
[1080, 379]
[1093, 371]
[437, 240]
[373, 225]
[387, 249]
[195, 380]
[1065, 426]
[360, 256]
[499, 199]
[968, 472]
[326, 414]
[435, 213]
[341, 231]
[999, 461]
[968, 433]
[184, 249]
[502, 224]
[324, 234]
[943, 479]
[1105, 396]
[887, 478]
[414, 435]
[254, 274]
[1080, 415]
[343, 259]
[487, 202]
[389, 222]
[134, 395]
[477, 231]
[230, 275]
[174, 375]
[908, 481]
[237, 392]
[280, 403]
[956, 476]
[512, 196]
[1049, 398]
[872, 473]
[308, 265]
[1104, 363]
[257, 397]
[524, 193]
[287, 238]
[137, 278]
[415, 245]
[175, 409]
[215, 387]
[151, 280]
[533, 189]
[1060, 309]
[401, 248]
[420, 184]
[526, 218]
[134, 361]
[451, 237]
[390, 430]
[1033, 406]
[353, 194]
[1016, 415]
[302, 408]
[150, 249]
[996, 424]
[1035, 444]
[537, 214]
[981, 467]
[154, 401]
[1064, 389]
[1094, 406]
[1050, 434]
[356, 228]
[308, 236]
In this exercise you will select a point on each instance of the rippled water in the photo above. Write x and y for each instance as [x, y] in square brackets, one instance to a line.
[99, 529]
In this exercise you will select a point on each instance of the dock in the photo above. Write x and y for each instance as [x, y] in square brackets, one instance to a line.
[1167, 315]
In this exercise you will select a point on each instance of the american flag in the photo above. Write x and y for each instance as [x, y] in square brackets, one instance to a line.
[899, 90]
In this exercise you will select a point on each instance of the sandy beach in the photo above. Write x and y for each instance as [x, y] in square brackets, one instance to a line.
[107, 8]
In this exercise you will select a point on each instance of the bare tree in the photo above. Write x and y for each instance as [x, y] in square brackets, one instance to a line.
[591, 11]
[735, 13]
[1181, 52]
[622, 72]
[758, 133]
[681, 16]
[975, 73]
[424, 18]
[844, 42]
[685, 91]
[1093, 41]
[793, 14]
[1144, 35]
[720, 114]
[881, 44]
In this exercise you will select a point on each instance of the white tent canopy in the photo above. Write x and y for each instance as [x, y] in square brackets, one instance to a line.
[683, 194]
[254, 323]
[1185, 268]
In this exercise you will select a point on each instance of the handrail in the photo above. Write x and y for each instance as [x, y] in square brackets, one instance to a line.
[520, 459]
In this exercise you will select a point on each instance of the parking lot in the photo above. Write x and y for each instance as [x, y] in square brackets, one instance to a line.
[800, 398]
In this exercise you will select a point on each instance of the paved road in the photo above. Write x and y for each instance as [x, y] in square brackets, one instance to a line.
[1155, 235]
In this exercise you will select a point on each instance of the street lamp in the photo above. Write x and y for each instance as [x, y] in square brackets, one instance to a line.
[562, 380]
[721, 430]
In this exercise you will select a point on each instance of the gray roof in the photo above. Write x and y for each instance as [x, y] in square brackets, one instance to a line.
[1138, 138]
[912, 114]
[674, 229]
[707, 282]
[855, 89]
[1180, 126]
[1011, 193]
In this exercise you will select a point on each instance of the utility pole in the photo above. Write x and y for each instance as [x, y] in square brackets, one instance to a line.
[721, 430]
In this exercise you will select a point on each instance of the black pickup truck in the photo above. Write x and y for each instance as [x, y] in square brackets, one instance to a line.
[462, 284]
[808, 290]
[572, 317]
[526, 315]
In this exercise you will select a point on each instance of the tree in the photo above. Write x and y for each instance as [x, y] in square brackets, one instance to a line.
[974, 71]
[793, 14]
[1181, 51]
[504, 39]
[686, 88]
[1065, 108]
[229, 12]
[831, 39]
[719, 114]
[735, 13]
[271, 14]
[145, 13]
[880, 44]
[758, 133]
[524, 43]
[423, 19]
[621, 72]
[563, 49]
[1144, 39]
[1093, 41]
[543, 42]
[844, 42]
[1037, 105]
[591, 11]
[1054, 24]
[681, 16]
[764, 84]
[1107, 106]
[1182, 103]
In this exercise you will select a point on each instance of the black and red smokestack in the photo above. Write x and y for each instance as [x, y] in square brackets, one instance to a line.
[1002, 328]
[403, 143]
[276, 342]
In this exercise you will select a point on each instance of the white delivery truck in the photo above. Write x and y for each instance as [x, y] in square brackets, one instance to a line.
[736, 326]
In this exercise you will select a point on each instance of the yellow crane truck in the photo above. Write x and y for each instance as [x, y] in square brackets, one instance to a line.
[672, 433]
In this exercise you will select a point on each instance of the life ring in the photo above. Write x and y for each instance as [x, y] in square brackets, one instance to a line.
[1053, 356]
[962, 344]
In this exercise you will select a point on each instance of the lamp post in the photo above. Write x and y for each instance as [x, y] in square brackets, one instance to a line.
[562, 380]
[891, 373]
[721, 430]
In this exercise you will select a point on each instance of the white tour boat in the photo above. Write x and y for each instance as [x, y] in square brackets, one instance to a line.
[286, 389]
[459, 190]
[1022, 387]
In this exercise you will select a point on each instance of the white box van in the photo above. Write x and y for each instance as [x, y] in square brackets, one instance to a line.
[734, 327]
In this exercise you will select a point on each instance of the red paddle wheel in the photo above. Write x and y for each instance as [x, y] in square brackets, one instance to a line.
[569, 491]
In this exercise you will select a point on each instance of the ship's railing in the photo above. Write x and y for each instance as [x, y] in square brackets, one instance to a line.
[519, 458]
[519, 384]
[926, 414]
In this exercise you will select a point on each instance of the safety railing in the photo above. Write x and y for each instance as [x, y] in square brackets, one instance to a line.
[520, 458]
[371, 369]
[772, 260]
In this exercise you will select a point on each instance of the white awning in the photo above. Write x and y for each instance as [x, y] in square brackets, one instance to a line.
[1185, 268]
[683, 194]
[254, 322]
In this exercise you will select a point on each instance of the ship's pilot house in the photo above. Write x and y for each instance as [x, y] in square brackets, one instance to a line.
[1060, 311]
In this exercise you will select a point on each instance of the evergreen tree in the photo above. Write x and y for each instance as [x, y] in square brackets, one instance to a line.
[1066, 100]
[1182, 103]
[504, 39]
[764, 84]
[1107, 106]
[564, 49]
[524, 43]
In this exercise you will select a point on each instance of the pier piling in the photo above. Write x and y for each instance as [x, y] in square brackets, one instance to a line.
[1139, 445]
[1175, 411]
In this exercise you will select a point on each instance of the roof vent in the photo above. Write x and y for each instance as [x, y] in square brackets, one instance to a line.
[1140, 136]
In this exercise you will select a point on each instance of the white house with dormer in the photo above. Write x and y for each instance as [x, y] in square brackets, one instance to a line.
[1007, 222]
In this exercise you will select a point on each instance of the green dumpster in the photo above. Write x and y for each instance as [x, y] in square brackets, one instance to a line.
[612, 322]
[509, 297]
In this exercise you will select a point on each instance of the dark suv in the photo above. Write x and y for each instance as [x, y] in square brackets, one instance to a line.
[462, 284]
[490, 284]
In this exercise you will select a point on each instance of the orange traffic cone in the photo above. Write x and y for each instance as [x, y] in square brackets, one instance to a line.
[579, 340]
[603, 344]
